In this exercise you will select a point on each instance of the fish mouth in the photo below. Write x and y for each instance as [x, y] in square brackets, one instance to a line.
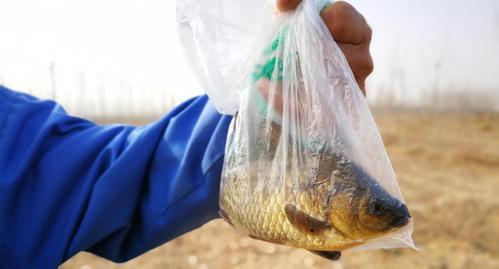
[401, 216]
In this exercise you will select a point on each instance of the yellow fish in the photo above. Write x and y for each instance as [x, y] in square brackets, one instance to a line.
[342, 207]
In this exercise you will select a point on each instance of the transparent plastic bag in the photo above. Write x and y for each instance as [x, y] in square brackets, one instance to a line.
[217, 37]
[305, 165]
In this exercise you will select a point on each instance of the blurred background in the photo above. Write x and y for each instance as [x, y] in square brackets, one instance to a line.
[434, 94]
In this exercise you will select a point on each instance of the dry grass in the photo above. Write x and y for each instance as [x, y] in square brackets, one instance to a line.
[448, 169]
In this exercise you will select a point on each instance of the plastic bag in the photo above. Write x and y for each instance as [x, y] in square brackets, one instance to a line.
[217, 36]
[305, 165]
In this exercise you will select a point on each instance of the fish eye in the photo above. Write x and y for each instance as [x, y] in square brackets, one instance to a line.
[377, 208]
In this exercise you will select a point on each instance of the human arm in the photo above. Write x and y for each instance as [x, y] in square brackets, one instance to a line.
[68, 185]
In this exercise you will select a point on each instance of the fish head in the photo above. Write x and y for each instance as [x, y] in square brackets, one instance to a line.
[359, 207]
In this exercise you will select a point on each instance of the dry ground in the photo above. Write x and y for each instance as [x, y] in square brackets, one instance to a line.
[448, 168]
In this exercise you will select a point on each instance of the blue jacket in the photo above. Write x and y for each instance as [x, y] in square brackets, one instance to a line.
[68, 185]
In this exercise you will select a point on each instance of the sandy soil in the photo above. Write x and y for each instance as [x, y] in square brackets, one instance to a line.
[448, 168]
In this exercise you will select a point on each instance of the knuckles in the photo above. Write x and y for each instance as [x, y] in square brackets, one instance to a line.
[368, 32]
[367, 65]
[346, 24]
[363, 64]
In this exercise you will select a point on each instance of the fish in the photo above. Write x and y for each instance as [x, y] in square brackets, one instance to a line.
[341, 207]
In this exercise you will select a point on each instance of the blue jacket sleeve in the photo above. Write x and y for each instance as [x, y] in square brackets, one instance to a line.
[67, 184]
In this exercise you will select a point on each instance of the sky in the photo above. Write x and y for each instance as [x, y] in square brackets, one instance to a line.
[124, 58]
[102, 56]
[419, 47]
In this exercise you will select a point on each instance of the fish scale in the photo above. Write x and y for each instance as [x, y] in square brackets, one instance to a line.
[263, 216]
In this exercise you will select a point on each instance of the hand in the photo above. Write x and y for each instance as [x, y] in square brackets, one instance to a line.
[350, 31]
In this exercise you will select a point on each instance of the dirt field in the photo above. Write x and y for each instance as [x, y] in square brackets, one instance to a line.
[448, 168]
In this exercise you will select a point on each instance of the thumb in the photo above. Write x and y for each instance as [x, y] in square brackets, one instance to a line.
[285, 5]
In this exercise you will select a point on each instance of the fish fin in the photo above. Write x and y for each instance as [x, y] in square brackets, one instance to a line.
[330, 255]
[304, 222]
[225, 217]
[266, 240]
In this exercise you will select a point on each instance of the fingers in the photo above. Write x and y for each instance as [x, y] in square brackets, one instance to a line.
[360, 61]
[285, 5]
[353, 35]
[346, 24]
